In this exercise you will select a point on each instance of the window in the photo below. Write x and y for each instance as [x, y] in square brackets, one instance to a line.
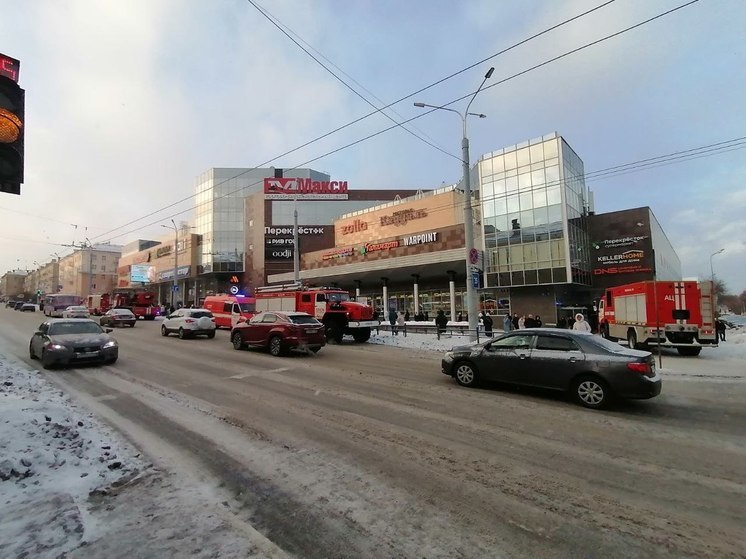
[269, 318]
[305, 298]
[556, 343]
[320, 298]
[521, 341]
[227, 306]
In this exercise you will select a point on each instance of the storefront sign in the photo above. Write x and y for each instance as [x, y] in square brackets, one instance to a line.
[354, 227]
[181, 272]
[375, 247]
[304, 189]
[302, 230]
[163, 251]
[421, 239]
[278, 241]
[338, 253]
[403, 217]
[278, 253]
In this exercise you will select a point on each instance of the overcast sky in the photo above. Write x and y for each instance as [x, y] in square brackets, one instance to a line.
[127, 102]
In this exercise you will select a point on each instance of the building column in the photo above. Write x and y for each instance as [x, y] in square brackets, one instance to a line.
[452, 292]
[416, 293]
[385, 297]
[358, 283]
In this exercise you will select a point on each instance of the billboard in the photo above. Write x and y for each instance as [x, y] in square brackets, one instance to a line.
[142, 273]
[304, 189]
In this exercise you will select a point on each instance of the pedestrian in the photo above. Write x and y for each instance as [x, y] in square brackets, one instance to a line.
[538, 321]
[720, 329]
[487, 321]
[581, 324]
[441, 321]
[460, 318]
[392, 320]
[507, 323]
[406, 316]
[530, 322]
[401, 324]
[427, 317]
[562, 322]
[522, 322]
[515, 321]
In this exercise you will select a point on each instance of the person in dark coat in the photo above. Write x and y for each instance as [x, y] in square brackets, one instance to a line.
[530, 322]
[406, 316]
[562, 322]
[441, 321]
[538, 321]
[392, 321]
[426, 318]
[515, 321]
[720, 329]
[487, 322]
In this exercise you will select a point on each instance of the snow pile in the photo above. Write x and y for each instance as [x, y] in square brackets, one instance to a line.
[53, 458]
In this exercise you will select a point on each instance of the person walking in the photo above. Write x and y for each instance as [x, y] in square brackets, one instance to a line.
[522, 322]
[515, 321]
[441, 321]
[530, 322]
[581, 324]
[720, 329]
[401, 324]
[392, 321]
[487, 322]
[538, 321]
[507, 323]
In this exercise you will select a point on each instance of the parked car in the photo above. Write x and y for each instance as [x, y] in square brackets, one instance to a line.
[118, 317]
[592, 369]
[10, 304]
[279, 332]
[28, 307]
[64, 341]
[18, 304]
[76, 311]
[188, 323]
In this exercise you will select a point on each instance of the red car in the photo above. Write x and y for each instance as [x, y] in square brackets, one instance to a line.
[280, 332]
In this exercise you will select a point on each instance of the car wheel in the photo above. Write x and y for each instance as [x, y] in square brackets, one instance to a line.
[164, 331]
[132, 325]
[46, 362]
[182, 334]
[605, 331]
[466, 374]
[237, 341]
[211, 334]
[632, 339]
[275, 345]
[592, 392]
[31, 353]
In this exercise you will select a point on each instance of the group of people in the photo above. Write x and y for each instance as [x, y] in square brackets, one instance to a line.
[520, 322]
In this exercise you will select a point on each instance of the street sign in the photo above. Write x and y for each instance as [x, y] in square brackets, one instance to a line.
[234, 289]
[174, 288]
[473, 256]
[475, 279]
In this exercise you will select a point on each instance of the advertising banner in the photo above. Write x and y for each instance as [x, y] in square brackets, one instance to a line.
[142, 273]
[304, 189]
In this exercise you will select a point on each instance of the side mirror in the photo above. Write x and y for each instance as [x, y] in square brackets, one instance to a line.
[38, 333]
[241, 320]
[108, 330]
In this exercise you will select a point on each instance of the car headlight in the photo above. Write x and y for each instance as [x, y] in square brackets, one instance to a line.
[57, 347]
[110, 343]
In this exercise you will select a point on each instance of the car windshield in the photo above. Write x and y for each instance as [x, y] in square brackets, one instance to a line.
[337, 297]
[302, 319]
[247, 307]
[122, 312]
[608, 345]
[64, 328]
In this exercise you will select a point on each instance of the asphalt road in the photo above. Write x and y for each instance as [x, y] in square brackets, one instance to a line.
[369, 451]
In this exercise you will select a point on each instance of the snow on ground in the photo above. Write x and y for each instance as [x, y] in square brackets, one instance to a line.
[56, 458]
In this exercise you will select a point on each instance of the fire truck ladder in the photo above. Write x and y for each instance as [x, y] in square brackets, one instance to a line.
[279, 288]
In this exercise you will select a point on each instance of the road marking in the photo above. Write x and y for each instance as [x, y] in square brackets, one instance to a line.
[247, 375]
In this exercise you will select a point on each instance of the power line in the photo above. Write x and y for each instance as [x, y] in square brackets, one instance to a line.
[355, 121]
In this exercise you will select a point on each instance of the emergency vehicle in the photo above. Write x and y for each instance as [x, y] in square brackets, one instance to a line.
[673, 313]
[141, 301]
[332, 306]
[228, 310]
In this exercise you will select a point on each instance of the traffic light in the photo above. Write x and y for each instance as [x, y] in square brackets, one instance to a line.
[12, 120]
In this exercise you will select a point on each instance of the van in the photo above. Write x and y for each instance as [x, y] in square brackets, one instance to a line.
[228, 309]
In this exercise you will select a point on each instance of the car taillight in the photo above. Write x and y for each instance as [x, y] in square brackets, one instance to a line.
[189, 320]
[642, 368]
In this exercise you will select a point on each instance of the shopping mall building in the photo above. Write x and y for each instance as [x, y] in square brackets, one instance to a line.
[542, 249]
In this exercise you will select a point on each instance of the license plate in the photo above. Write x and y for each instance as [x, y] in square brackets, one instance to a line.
[87, 354]
[312, 331]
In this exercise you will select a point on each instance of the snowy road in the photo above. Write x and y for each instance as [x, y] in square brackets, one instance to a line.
[369, 451]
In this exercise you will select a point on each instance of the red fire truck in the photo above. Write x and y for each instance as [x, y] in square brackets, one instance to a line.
[330, 305]
[673, 313]
[141, 301]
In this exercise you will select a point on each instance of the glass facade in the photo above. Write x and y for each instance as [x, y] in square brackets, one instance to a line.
[534, 203]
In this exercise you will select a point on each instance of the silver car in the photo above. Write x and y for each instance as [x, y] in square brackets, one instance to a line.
[69, 341]
[188, 323]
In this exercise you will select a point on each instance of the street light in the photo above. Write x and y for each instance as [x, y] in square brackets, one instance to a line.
[712, 272]
[471, 301]
[175, 284]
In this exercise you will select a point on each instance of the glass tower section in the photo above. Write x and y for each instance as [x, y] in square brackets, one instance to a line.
[534, 202]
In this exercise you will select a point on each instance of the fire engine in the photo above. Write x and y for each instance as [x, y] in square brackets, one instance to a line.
[142, 302]
[330, 305]
[673, 313]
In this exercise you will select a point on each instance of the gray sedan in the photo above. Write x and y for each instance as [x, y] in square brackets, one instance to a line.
[65, 341]
[592, 369]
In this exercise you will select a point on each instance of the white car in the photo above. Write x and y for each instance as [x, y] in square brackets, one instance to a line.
[188, 323]
[76, 311]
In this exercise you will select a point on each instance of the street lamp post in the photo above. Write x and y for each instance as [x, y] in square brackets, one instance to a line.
[175, 284]
[471, 301]
[712, 271]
